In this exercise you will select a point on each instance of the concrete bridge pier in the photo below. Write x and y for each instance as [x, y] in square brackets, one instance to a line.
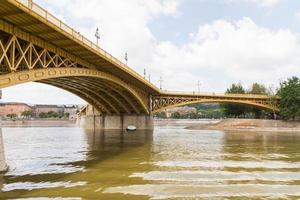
[92, 119]
[111, 122]
[3, 165]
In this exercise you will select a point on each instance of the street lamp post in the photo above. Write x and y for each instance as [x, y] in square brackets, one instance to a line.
[144, 73]
[160, 83]
[126, 57]
[97, 35]
[198, 85]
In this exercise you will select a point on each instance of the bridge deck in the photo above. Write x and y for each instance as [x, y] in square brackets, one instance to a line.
[31, 18]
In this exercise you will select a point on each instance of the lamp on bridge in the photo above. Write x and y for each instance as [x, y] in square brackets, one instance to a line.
[198, 85]
[97, 35]
[126, 57]
[160, 83]
[144, 73]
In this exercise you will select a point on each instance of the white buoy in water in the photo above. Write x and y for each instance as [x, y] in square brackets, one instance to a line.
[131, 128]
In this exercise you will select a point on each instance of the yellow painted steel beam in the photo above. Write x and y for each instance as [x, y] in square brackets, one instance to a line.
[80, 93]
[91, 91]
[36, 41]
[25, 76]
[243, 102]
[126, 97]
[98, 87]
[181, 94]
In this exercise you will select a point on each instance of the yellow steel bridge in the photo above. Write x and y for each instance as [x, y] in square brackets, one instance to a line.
[36, 46]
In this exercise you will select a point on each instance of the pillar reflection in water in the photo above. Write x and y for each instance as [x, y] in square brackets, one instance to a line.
[101, 158]
[107, 140]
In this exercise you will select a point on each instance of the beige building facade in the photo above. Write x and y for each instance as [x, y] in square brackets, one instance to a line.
[13, 108]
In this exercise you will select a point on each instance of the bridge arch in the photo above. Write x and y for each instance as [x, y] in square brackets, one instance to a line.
[240, 102]
[107, 93]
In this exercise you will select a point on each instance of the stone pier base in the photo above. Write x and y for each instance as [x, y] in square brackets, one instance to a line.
[3, 165]
[110, 122]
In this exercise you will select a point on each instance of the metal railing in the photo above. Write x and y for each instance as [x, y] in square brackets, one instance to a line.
[193, 93]
[76, 35]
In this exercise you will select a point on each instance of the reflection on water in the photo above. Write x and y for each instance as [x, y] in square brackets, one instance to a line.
[169, 163]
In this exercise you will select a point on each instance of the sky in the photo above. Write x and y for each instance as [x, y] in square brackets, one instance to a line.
[215, 42]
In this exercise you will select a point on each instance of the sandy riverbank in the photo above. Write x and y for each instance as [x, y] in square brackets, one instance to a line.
[183, 122]
[250, 125]
[38, 123]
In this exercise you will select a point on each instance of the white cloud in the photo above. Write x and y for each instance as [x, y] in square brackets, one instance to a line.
[217, 54]
[261, 3]
[265, 3]
[225, 52]
[297, 14]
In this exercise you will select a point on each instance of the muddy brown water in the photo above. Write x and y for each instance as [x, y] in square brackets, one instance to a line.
[168, 163]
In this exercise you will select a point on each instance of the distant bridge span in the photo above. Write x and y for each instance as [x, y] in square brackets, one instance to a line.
[36, 46]
[168, 100]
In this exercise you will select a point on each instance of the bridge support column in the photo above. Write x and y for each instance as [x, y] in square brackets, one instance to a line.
[3, 165]
[95, 120]
[110, 122]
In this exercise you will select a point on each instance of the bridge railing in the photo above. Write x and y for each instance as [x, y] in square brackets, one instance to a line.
[214, 94]
[76, 35]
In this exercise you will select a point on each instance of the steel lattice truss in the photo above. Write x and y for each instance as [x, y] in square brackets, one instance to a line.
[18, 55]
[24, 61]
[163, 102]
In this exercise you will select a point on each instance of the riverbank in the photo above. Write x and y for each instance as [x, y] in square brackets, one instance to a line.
[38, 123]
[183, 122]
[250, 125]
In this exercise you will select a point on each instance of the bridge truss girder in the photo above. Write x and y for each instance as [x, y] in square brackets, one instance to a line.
[25, 58]
[163, 102]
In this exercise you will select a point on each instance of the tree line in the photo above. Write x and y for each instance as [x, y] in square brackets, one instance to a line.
[29, 114]
[288, 91]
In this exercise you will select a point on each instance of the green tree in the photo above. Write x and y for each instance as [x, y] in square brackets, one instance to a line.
[232, 110]
[43, 115]
[192, 115]
[66, 115]
[12, 115]
[289, 92]
[52, 114]
[27, 114]
[258, 89]
[175, 115]
[161, 115]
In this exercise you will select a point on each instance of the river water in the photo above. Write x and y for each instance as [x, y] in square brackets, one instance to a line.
[168, 163]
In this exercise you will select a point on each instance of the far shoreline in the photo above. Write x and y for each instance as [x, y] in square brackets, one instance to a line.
[37, 123]
[230, 124]
[233, 124]
[257, 125]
